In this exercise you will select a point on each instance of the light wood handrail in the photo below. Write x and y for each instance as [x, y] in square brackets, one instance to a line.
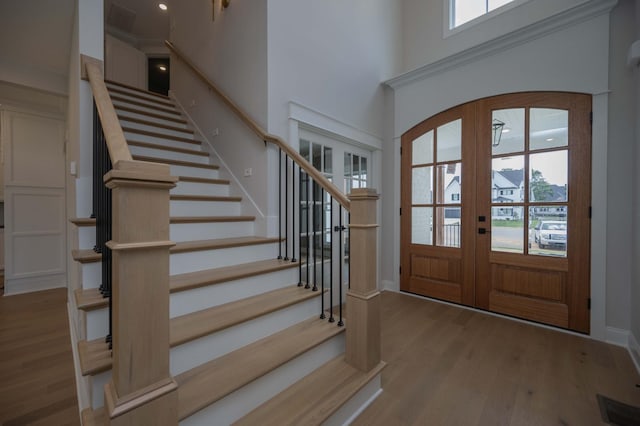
[338, 195]
[113, 134]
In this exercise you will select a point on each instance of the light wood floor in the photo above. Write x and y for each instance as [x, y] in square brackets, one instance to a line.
[37, 384]
[446, 366]
[452, 366]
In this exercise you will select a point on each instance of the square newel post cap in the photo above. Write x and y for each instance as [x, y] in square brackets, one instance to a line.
[364, 194]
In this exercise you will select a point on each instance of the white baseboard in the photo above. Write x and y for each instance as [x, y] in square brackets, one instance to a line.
[14, 286]
[389, 285]
[617, 336]
[634, 350]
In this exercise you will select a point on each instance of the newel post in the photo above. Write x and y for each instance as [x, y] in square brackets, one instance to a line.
[141, 390]
[363, 297]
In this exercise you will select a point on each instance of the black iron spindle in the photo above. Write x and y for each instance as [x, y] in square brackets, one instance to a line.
[293, 211]
[279, 203]
[300, 212]
[314, 222]
[286, 207]
[307, 206]
[322, 230]
[348, 230]
[341, 263]
[331, 318]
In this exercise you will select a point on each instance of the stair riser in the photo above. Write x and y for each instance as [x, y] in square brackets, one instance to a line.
[161, 121]
[204, 208]
[194, 172]
[185, 302]
[97, 388]
[156, 129]
[146, 108]
[86, 237]
[179, 232]
[242, 401]
[141, 97]
[91, 274]
[197, 352]
[162, 153]
[136, 136]
[181, 263]
[195, 188]
[97, 322]
[120, 88]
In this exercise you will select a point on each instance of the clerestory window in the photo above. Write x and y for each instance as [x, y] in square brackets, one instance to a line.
[463, 11]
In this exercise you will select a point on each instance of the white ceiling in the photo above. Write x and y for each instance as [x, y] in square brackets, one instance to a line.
[35, 37]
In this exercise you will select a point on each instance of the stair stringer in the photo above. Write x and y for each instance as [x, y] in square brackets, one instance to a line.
[264, 225]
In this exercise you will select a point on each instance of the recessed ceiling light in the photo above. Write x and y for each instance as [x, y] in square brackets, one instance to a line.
[549, 139]
[162, 6]
[162, 68]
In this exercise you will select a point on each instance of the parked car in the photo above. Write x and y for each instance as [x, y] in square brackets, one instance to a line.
[550, 233]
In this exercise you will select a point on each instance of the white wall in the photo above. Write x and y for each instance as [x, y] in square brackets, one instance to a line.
[232, 51]
[635, 281]
[124, 63]
[424, 24]
[559, 54]
[620, 166]
[331, 57]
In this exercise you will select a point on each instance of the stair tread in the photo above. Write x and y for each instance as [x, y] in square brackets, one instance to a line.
[198, 324]
[313, 399]
[203, 180]
[154, 124]
[86, 256]
[127, 86]
[220, 243]
[211, 219]
[175, 162]
[209, 382]
[167, 148]
[91, 417]
[222, 198]
[190, 280]
[150, 114]
[91, 298]
[117, 98]
[141, 95]
[83, 221]
[160, 135]
[95, 355]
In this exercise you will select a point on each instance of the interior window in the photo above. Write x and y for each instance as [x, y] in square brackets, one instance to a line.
[463, 11]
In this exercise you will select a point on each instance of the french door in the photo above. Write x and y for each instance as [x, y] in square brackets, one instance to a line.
[495, 207]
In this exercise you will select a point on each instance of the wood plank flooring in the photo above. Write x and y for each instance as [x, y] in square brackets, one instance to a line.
[37, 383]
[452, 366]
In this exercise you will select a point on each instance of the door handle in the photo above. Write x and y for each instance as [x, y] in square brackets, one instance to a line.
[483, 231]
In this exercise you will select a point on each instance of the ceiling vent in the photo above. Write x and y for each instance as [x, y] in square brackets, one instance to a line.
[121, 18]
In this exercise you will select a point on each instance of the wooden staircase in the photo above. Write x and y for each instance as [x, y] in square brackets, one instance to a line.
[243, 335]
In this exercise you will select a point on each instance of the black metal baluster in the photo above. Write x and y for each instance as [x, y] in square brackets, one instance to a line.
[307, 185]
[315, 243]
[349, 251]
[322, 226]
[279, 203]
[341, 263]
[286, 207]
[300, 211]
[331, 318]
[293, 211]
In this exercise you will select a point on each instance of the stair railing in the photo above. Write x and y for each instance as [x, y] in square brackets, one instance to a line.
[131, 206]
[315, 194]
